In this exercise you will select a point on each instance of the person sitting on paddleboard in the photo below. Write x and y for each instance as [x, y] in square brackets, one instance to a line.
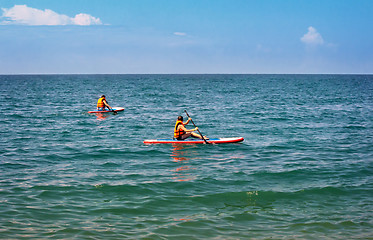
[102, 103]
[181, 133]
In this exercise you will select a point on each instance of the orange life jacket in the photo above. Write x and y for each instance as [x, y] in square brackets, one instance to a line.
[100, 102]
[178, 132]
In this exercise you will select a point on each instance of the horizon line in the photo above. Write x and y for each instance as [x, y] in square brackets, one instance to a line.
[9, 74]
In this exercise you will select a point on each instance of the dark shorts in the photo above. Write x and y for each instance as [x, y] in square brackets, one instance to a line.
[184, 136]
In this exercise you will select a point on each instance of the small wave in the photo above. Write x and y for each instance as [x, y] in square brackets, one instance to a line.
[15, 166]
[110, 164]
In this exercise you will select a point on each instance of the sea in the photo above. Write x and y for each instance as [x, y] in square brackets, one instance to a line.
[304, 170]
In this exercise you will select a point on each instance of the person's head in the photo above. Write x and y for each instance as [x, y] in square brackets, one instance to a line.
[180, 118]
[103, 96]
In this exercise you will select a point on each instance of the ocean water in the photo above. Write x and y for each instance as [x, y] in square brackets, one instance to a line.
[304, 170]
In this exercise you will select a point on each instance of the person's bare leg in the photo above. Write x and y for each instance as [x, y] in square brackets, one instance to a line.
[196, 135]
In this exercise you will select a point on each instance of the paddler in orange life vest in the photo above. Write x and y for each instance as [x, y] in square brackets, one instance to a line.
[102, 103]
[181, 133]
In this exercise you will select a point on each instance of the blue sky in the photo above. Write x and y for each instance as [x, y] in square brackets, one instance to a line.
[186, 36]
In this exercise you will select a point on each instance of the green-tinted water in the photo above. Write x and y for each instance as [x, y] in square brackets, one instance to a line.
[304, 170]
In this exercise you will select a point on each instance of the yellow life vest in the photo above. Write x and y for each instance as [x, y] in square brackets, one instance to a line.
[100, 102]
[178, 132]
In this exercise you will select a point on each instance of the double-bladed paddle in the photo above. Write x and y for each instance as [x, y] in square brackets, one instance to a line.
[196, 126]
[115, 112]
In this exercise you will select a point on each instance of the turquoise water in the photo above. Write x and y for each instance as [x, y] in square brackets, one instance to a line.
[304, 170]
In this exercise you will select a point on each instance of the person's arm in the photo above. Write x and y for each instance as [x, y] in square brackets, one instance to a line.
[189, 119]
[106, 104]
[188, 130]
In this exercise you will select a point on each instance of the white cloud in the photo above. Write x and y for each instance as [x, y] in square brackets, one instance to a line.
[21, 14]
[180, 34]
[312, 37]
[86, 19]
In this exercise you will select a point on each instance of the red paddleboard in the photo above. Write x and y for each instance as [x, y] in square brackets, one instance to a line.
[116, 109]
[194, 141]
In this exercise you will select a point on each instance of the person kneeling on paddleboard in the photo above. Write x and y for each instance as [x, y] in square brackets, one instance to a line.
[102, 103]
[181, 133]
